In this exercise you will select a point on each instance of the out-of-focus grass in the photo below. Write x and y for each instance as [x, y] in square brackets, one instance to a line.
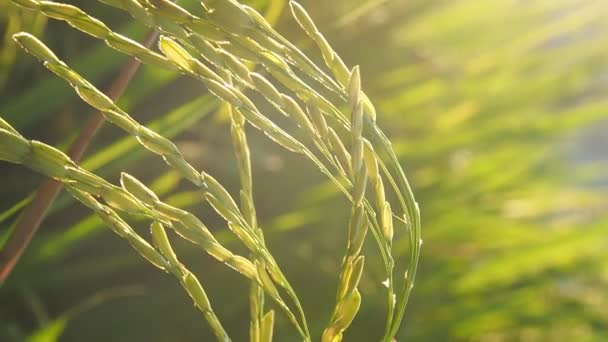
[489, 105]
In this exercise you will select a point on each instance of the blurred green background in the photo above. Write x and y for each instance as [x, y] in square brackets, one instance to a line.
[498, 110]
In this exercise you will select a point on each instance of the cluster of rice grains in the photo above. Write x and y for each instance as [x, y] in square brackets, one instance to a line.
[219, 46]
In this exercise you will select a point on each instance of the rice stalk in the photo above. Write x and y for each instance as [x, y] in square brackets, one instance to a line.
[290, 108]
[398, 182]
[215, 194]
[228, 36]
[133, 198]
[215, 55]
[78, 19]
[121, 228]
[188, 280]
[84, 186]
[348, 297]
[282, 103]
[165, 259]
[324, 138]
[411, 211]
[241, 150]
[189, 32]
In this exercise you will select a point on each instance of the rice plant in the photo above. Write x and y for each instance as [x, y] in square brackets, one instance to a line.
[247, 65]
